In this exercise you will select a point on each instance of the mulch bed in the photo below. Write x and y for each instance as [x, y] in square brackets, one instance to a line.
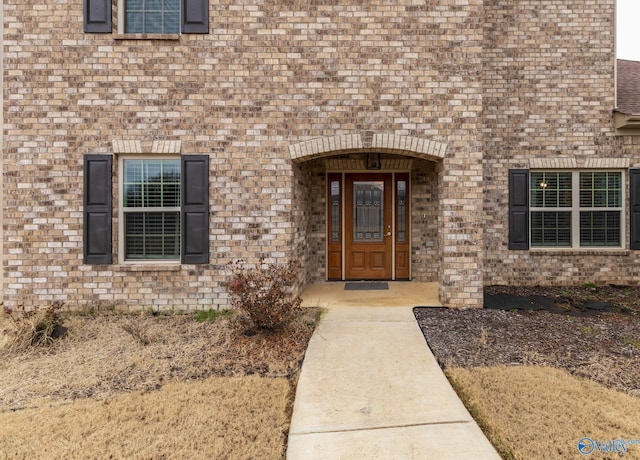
[590, 331]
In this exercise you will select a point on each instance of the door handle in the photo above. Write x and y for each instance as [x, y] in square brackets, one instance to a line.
[387, 234]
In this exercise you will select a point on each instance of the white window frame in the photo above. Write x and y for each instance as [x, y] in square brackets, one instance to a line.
[122, 210]
[122, 21]
[575, 210]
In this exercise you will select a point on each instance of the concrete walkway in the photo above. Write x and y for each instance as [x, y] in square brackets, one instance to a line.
[371, 389]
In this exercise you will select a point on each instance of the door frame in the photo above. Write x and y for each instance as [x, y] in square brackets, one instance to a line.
[335, 240]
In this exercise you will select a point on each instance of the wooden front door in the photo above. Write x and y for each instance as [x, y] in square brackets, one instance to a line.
[368, 226]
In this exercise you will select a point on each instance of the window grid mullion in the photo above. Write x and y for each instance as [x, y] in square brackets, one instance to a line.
[142, 209]
[575, 209]
[144, 238]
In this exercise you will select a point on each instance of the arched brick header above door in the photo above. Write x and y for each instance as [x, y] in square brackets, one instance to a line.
[384, 143]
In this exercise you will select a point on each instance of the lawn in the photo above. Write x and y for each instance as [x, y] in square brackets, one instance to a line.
[535, 412]
[145, 386]
[170, 386]
[541, 375]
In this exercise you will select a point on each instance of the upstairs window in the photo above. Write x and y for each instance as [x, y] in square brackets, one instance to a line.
[152, 17]
[148, 17]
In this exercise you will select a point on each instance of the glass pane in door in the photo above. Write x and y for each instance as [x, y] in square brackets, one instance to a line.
[335, 211]
[401, 211]
[368, 208]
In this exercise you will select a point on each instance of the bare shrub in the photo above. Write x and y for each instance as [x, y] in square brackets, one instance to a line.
[265, 292]
[139, 330]
[35, 328]
[483, 339]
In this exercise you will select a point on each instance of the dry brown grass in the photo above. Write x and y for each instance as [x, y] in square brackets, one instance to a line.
[148, 386]
[100, 358]
[231, 418]
[533, 412]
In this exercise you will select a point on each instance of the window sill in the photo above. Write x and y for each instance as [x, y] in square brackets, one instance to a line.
[146, 36]
[150, 267]
[579, 251]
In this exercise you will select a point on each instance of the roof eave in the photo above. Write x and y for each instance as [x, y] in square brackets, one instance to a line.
[626, 123]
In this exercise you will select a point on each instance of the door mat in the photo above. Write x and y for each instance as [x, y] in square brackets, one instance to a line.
[365, 286]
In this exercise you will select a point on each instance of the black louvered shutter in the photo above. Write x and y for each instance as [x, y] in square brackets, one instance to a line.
[518, 209]
[98, 207]
[97, 16]
[634, 208]
[195, 209]
[195, 16]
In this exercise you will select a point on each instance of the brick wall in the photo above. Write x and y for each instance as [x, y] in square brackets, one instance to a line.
[497, 82]
[267, 76]
[548, 77]
[425, 251]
